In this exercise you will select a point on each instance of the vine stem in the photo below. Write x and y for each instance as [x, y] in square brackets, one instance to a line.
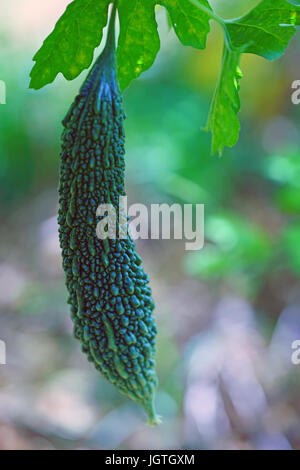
[209, 12]
[218, 19]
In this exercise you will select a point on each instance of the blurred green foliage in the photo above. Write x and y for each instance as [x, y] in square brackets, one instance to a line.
[290, 241]
[236, 248]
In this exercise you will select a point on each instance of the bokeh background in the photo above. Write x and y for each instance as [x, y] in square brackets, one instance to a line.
[227, 315]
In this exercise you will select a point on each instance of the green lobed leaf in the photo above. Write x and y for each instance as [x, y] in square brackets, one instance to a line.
[191, 24]
[222, 121]
[267, 29]
[139, 41]
[69, 48]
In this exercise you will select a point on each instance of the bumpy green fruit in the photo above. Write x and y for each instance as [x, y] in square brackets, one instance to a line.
[111, 303]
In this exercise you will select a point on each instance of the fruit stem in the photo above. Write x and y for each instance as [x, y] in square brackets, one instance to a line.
[110, 39]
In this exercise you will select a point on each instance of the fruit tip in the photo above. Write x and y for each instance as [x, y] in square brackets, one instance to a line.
[153, 418]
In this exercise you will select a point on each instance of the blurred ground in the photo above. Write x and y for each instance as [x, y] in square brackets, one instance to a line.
[227, 315]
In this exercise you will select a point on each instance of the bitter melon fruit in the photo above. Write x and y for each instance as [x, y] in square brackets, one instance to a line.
[109, 294]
